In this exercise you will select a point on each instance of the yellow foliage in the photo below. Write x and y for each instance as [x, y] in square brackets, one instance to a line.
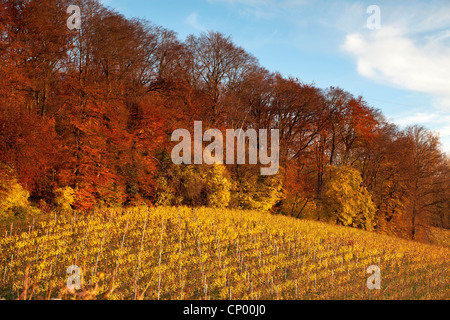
[64, 198]
[255, 192]
[346, 200]
[165, 195]
[190, 254]
[13, 197]
[219, 187]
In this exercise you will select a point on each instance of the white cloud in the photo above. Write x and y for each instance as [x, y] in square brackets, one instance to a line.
[411, 51]
[193, 21]
[439, 119]
[389, 56]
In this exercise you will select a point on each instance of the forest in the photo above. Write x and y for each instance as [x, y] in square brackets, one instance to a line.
[86, 118]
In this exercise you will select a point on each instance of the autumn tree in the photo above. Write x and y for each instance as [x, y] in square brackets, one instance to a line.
[36, 44]
[86, 118]
[345, 200]
[420, 164]
[440, 216]
[218, 63]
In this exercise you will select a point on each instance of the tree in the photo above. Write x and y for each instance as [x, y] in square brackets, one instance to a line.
[29, 145]
[440, 213]
[218, 63]
[420, 164]
[345, 200]
[36, 41]
[219, 187]
[384, 178]
[86, 118]
[14, 198]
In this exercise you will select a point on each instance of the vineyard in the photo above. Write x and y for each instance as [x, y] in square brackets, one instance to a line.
[208, 254]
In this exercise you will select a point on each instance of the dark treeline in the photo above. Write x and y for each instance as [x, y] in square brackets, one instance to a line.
[86, 118]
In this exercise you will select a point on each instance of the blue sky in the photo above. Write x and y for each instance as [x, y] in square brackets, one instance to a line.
[402, 68]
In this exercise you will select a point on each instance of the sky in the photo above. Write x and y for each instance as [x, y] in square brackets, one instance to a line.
[399, 63]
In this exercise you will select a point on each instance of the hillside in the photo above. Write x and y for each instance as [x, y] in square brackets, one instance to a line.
[439, 236]
[181, 253]
[126, 112]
